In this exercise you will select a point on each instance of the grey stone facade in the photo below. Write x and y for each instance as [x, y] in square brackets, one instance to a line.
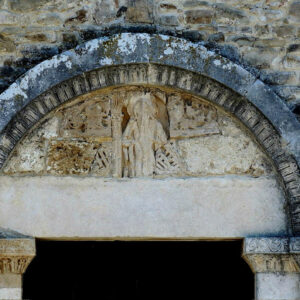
[261, 35]
[271, 127]
[126, 67]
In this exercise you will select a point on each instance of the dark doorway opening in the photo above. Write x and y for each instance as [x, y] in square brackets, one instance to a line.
[138, 270]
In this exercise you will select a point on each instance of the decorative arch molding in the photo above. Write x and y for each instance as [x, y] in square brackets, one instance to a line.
[130, 59]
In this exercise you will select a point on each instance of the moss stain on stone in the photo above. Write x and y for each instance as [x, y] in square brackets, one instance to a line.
[110, 47]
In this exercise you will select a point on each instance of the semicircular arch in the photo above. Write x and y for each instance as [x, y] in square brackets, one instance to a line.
[128, 59]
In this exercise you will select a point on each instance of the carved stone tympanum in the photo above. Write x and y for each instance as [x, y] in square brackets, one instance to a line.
[138, 132]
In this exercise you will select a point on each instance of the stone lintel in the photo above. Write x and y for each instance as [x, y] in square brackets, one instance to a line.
[133, 213]
[273, 254]
[16, 254]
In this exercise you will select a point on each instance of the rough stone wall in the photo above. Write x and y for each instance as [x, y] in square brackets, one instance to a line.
[262, 35]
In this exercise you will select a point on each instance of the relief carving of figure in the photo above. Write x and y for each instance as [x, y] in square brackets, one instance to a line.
[142, 137]
[191, 118]
[87, 119]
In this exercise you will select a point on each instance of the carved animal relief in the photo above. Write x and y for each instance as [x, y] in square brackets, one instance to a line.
[191, 118]
[138, 132]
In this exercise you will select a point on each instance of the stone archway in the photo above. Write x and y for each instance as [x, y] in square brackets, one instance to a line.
[178, 69]
[142, 131]
[242, 102]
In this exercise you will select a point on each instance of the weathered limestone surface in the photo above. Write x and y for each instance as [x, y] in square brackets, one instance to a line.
[129, 48]
[62, 70]
[262, 34]
[276, 264]
[139, 48]
[94, 207]
[94, 136]
[251, 47]
[274, 286]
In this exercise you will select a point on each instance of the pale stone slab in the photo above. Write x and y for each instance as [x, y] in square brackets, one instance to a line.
[10, 280]
[276, 286]
[10, 293]
[91, 207]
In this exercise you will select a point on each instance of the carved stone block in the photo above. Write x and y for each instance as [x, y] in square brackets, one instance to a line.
[87, 120]
[15, 255]
[269, 255]
[136, 131]
[79, 157]
[295, 245]
[261, 263]
[191, 118]
[168, 160]
[266, 245]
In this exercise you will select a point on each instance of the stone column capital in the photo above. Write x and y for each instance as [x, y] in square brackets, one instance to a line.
[16, 254]
[272, 255]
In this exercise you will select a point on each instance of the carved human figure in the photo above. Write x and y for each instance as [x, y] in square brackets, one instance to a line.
[176, 111]
[143, 136]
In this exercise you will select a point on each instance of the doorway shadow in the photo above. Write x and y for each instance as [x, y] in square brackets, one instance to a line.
[138, 270]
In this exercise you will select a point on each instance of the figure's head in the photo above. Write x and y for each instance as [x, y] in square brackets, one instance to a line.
[175, 107]
[143, 106]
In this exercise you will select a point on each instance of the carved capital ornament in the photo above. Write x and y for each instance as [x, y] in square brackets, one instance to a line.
[272, 255]
[16, 255]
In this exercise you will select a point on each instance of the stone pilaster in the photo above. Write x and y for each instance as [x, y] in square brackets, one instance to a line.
[15, 256]
[117, 118]
[276, 264]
